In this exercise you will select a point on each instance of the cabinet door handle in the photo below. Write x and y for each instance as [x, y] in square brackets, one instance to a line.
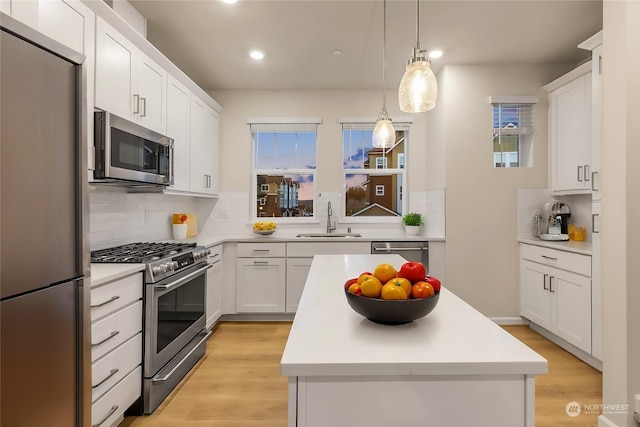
[144, 107]
[136, 103]
[113, 334]
[593, 223]
[593, 181]
[551, 283]
[579, 174]
[544, 282]
[586, 172]
[550, 258]
[112, 299]
[111, 373]
[113, 409]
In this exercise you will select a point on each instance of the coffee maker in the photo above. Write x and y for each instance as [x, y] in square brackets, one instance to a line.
[554, 221]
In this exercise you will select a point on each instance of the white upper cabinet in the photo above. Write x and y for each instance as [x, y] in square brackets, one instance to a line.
[178, 118]
[570, 132]
[128, 83]
[204, 131]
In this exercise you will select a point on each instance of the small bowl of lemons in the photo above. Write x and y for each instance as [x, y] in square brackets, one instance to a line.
[264, 227]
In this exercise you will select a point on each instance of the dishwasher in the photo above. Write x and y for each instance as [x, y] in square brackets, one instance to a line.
[411, 251]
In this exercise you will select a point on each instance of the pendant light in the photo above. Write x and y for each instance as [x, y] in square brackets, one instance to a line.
[384, 135]
[418, 88]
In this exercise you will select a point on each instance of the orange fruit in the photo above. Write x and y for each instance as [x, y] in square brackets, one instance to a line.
[403, 283]
[371, 287]
[393, 291]
[385, 272]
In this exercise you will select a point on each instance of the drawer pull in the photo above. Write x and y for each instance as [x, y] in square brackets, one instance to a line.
[113, 334]
[261, 262]
[261, 250]
[551, 283]
[544, 282]
[111, 373]
[550, 258]
[113, 409]
[113, 298]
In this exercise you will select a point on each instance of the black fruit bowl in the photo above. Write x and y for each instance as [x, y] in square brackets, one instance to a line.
[392, 312]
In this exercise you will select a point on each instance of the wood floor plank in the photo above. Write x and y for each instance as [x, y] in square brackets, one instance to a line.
[238, 382]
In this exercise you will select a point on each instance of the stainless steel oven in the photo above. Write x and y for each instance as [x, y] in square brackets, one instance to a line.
[129, 154]
[174, 304]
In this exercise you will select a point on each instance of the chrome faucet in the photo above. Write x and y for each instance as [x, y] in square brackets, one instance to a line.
[330, 226]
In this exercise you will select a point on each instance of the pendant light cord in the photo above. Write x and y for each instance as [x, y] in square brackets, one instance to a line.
[384, 55]
[418, 24]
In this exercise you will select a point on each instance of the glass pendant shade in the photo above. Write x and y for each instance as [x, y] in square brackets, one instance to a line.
[384, 135]
[418, 89]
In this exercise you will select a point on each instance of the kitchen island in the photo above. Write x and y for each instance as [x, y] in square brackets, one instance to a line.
[453, 367]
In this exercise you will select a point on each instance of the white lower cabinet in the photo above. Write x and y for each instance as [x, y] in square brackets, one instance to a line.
[116, 348]
[297, 272]
[214, 286]
[553, 297]
[261, 278]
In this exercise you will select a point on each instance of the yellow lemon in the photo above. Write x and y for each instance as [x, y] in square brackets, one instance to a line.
[371, 287]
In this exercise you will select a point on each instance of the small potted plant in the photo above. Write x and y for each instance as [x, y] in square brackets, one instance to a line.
[412, 222]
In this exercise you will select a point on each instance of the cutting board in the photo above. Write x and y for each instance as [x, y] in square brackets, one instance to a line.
[192, 224]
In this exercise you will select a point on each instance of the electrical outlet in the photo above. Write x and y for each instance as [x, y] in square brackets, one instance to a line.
[147, 216]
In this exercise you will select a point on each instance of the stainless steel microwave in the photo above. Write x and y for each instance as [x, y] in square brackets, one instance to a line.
[129, 154]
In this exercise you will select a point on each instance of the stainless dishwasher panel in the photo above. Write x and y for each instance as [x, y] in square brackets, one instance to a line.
[411, 251]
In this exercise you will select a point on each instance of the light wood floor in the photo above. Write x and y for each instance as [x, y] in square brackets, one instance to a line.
[238, 382]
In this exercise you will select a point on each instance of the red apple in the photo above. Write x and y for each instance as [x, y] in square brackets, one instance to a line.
[434, 282]
[349, 283]
[413, 271]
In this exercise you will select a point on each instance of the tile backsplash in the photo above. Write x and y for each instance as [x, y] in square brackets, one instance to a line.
[117, 217]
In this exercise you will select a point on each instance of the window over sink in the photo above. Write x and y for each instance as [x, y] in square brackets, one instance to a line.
[284, 167]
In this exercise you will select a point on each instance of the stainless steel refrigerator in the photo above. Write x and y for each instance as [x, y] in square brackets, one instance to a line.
[44, 318]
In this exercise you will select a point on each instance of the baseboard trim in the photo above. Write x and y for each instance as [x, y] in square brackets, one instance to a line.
[580, 354]
[605, 422]
[258, 317]
[517, 320]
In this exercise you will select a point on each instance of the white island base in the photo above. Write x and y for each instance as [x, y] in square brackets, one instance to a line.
[452, 368]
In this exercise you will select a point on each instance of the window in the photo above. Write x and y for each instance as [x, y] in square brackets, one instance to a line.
[284, 167]
[373, 177]
[512, 131]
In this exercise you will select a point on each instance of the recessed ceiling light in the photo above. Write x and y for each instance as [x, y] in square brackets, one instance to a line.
[256, 54]
[230, 1]
[336, 52]
[435, 54]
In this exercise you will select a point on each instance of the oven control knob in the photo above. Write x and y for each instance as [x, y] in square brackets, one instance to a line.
[174, 265]
[156, 270]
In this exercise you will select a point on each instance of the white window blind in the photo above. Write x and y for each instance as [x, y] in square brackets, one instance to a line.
[512, 130]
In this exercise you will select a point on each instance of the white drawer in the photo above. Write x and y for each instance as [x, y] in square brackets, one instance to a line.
[109, 408]
[109, 370]
[216, 253]
[112, 296]
[577, 263]
[300, 250]
[262, 250]
[113, 330]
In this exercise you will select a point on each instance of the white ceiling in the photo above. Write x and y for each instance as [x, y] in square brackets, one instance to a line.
[209, 40]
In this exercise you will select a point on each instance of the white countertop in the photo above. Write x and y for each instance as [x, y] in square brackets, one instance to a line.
[104, 273]
[329, 338]
[584, 248]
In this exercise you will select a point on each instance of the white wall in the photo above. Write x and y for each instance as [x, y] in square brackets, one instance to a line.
[621, 207]
[117, 217]
[481, 210]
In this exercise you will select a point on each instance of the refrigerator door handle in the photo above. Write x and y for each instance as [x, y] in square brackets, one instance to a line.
[113, 334]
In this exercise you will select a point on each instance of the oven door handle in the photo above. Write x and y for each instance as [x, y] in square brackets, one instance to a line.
[183, 280]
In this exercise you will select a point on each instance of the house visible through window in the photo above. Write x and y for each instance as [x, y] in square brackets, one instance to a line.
[284, 168]
[512, 131]
[373, 177]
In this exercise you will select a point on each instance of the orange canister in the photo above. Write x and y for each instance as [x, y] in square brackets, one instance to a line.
[580, 235]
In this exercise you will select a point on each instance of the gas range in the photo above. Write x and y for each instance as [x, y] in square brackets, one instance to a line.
[162, 259]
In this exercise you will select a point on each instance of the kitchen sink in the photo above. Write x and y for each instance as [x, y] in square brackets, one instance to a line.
[329, 235]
